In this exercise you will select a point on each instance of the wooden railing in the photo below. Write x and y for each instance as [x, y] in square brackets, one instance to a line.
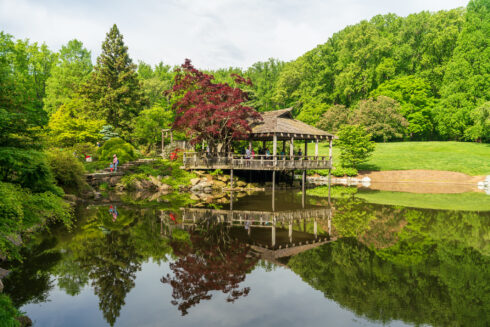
[238, 217]
[257, 162]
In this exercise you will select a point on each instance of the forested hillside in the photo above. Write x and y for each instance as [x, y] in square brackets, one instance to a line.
[435, 65]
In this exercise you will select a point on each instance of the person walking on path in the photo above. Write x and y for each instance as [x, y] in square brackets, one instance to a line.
[115, 162]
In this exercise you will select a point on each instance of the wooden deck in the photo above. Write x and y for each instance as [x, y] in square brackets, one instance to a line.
[258, 162]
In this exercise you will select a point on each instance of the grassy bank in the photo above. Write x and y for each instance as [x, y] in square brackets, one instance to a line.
[469, 158]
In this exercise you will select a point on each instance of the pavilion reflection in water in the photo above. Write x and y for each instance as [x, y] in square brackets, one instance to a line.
[275, 234]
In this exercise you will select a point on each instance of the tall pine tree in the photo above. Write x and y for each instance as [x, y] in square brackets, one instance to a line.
[114, 88]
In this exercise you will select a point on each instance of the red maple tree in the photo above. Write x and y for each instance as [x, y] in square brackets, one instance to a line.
[214, 112]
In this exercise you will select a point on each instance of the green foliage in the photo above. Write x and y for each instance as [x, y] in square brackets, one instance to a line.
[8, 312]
[381, 118]
[125, 152]
[416, 99]
[20, 210]
[129, 180]
[70, 125]
[113, 88]
[149, 123]
[355, 145]
[71, 69]
[80, 150]
[467, 76]
[28, 168]
[342, 171]
[67, 170]
[480, 131]
[216, 172]
[335, 117]
[24, 69]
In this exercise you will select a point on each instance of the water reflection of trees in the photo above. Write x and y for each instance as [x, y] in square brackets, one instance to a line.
[210, 261]
[420, 266]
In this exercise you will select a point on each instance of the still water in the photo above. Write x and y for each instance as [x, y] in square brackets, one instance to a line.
[310, 263]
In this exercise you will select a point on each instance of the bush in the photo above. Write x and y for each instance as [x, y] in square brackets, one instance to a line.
[27, 168]
[125, 152]
[355, 145]
[67, 170]
[85, 149]
[341, 172]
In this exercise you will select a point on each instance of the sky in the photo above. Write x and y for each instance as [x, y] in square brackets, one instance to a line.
[212, 33]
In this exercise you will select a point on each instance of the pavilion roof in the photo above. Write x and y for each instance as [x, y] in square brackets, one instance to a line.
[282, 123]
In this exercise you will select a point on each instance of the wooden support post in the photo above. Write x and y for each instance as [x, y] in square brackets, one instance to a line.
[330, 149]
[329, 182]
[274, 149]
[273, 236]
[284, 146]
[303, 187]
[263, 145]
[316, 149]
[291, 149]
[250, 145]
[306, 148]
[290, 233]
[273, 190]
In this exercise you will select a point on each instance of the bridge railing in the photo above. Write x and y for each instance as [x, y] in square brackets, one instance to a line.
[240, 216]
[255, 162]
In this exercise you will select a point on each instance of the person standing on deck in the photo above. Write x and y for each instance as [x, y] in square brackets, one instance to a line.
[115, 162]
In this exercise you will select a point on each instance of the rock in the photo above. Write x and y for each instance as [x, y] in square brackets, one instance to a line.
[194, 181]
[219, 184]
[209, 178]
[97, 195]
[194, 197]
[241, 184]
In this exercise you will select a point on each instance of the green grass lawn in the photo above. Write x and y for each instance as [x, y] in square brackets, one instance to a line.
[470, 201]
[460, 201]
[469, 158]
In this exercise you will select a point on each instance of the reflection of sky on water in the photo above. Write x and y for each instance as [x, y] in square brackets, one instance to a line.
[277, 298]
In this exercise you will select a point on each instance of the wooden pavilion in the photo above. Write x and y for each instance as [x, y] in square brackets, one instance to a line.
[278, 125]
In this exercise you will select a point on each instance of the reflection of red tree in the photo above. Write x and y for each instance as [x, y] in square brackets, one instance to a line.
[204, 267]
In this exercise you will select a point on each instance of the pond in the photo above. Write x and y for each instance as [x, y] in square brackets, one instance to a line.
[345, 263]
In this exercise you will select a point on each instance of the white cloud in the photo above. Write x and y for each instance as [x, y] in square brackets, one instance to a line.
[213, 33]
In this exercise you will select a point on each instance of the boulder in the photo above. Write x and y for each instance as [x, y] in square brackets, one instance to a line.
[195, 181]
[194, 197]
[219, 184]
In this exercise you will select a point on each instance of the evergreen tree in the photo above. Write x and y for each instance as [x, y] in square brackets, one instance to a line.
[114, 87]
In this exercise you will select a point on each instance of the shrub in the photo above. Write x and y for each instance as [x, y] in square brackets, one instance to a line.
[350, 172]
[355, 145]
[67, 170]
[338, 172]
[28, 168]
[341, 172]
[125, 152]
[85, 149]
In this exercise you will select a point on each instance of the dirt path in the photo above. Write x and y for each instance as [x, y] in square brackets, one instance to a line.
[422, 181]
